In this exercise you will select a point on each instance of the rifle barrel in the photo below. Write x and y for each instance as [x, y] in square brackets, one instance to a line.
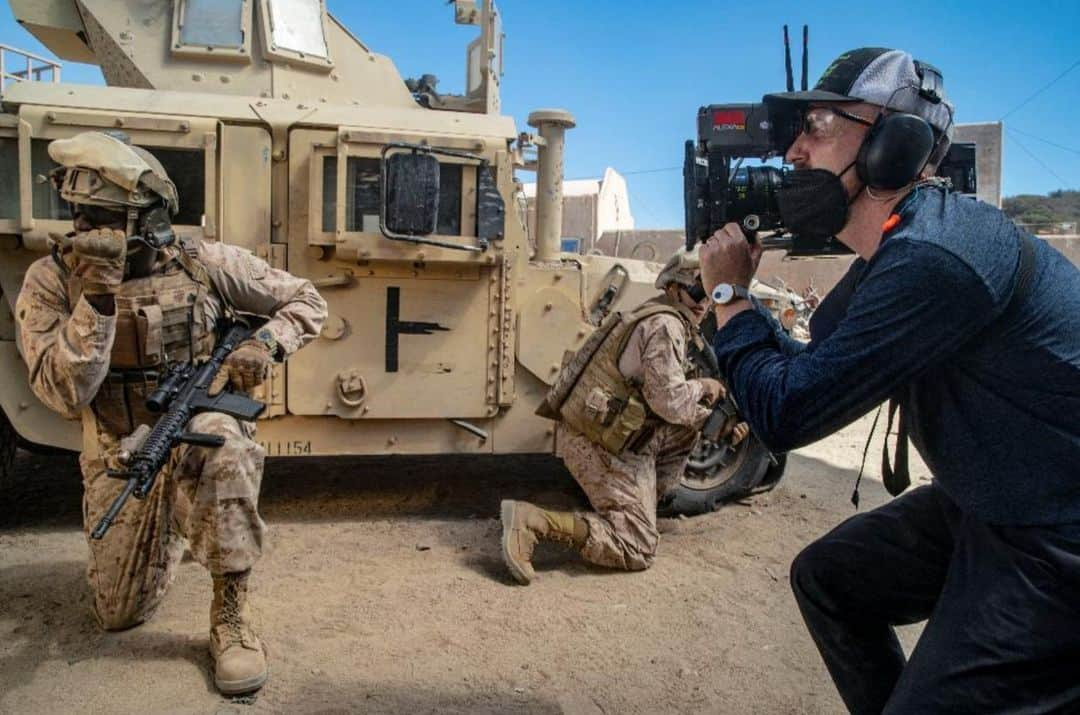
[114, 510]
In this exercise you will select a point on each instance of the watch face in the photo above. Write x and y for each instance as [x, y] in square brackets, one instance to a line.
[264, 334]
[723, 293]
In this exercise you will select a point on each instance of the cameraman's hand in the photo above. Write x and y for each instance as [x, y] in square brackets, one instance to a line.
[100, 255]
[714, 390]
[727, 257]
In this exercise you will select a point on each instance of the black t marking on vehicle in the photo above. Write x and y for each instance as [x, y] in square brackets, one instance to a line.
[395, 327]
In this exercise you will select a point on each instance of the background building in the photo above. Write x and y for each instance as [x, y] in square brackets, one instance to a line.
[987, 138]
[591, 208]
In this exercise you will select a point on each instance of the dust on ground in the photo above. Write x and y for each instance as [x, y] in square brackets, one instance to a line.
[383, 591]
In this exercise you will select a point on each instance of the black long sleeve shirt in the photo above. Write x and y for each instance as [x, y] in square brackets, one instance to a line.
[993, 400]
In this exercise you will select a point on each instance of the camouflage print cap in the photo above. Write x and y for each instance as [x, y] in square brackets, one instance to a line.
[682, 268]
[102, 170]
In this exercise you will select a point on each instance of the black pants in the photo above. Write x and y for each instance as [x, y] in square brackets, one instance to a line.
[1003, 605]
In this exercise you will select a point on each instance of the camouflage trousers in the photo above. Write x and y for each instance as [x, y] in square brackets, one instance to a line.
[205, 499]
[624, 490]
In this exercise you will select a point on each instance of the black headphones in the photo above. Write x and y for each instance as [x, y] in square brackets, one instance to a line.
[899, 145]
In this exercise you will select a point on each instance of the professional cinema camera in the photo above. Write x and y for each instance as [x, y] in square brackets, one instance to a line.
[718, 189]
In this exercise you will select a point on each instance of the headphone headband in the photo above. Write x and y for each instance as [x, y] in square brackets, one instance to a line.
[930, 83]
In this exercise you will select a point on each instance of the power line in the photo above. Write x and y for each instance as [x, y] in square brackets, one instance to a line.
[1044, 141]
[650, 171]
[1064, 184]
[653, 217]
[1042, 89]
[632, 173]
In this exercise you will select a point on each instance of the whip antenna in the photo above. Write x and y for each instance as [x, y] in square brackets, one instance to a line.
[805, 53]
[787, 62]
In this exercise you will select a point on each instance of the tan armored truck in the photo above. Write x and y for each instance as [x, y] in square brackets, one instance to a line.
[287, 135]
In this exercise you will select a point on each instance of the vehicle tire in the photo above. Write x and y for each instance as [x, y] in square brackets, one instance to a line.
[8, 445]
[737, 472]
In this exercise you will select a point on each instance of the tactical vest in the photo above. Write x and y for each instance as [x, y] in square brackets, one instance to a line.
[160, 320]
[592, 395]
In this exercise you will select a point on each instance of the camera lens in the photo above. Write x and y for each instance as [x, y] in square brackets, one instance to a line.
[753, 194]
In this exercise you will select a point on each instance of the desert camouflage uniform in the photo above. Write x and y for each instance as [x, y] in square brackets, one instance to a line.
[624, 488]
[206, 496]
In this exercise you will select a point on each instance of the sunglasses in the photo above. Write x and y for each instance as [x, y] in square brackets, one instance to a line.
[823, 122]
[101, 216]
[696, 291]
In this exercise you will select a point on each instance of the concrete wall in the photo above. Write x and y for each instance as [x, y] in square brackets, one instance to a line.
[613, 205]
[645, 244]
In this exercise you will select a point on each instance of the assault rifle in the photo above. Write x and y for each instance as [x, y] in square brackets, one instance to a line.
[181, 394]
[724, 414]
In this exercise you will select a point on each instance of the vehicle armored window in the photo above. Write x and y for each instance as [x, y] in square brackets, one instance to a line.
[9, 178]
[362, 196]
[219, 28]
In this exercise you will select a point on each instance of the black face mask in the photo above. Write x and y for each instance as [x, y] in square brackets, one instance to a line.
[814, 202]
[696, 291]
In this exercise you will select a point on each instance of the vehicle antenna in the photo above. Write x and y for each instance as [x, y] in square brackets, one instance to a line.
[805, 53]
[787, 62]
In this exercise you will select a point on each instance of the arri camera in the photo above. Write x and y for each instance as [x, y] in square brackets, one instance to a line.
[718, 190]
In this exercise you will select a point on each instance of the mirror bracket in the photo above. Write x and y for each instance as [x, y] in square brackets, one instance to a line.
[482, 243]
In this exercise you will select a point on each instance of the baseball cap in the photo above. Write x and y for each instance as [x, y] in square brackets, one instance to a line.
[887, 78]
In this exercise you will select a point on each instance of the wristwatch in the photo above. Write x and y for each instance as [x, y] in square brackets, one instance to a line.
[724, 293]
[264, 336]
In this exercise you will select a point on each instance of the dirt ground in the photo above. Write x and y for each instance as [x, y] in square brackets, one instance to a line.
[383, 591]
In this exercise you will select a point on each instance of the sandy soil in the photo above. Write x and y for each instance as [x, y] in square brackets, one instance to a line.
[383, 591]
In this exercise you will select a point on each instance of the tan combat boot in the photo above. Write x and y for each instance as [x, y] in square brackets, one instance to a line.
[239, 658]
[525, 524]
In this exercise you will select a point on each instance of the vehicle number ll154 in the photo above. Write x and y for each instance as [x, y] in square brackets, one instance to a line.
[286, 448]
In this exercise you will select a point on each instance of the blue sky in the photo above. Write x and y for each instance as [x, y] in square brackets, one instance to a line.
[634, 73]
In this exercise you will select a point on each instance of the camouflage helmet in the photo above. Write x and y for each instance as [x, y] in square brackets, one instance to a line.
[682, 268]
[102, 169]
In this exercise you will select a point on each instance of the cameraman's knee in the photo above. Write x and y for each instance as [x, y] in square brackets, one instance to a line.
[811, 568]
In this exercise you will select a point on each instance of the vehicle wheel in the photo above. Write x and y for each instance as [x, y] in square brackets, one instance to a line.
[719, 473]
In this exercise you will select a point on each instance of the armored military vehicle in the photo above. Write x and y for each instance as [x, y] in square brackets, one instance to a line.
[288, 136]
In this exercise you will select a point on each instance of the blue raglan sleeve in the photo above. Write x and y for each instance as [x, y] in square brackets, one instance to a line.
[914, 305]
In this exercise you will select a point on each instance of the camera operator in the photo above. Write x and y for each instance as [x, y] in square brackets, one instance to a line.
[970, 327]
